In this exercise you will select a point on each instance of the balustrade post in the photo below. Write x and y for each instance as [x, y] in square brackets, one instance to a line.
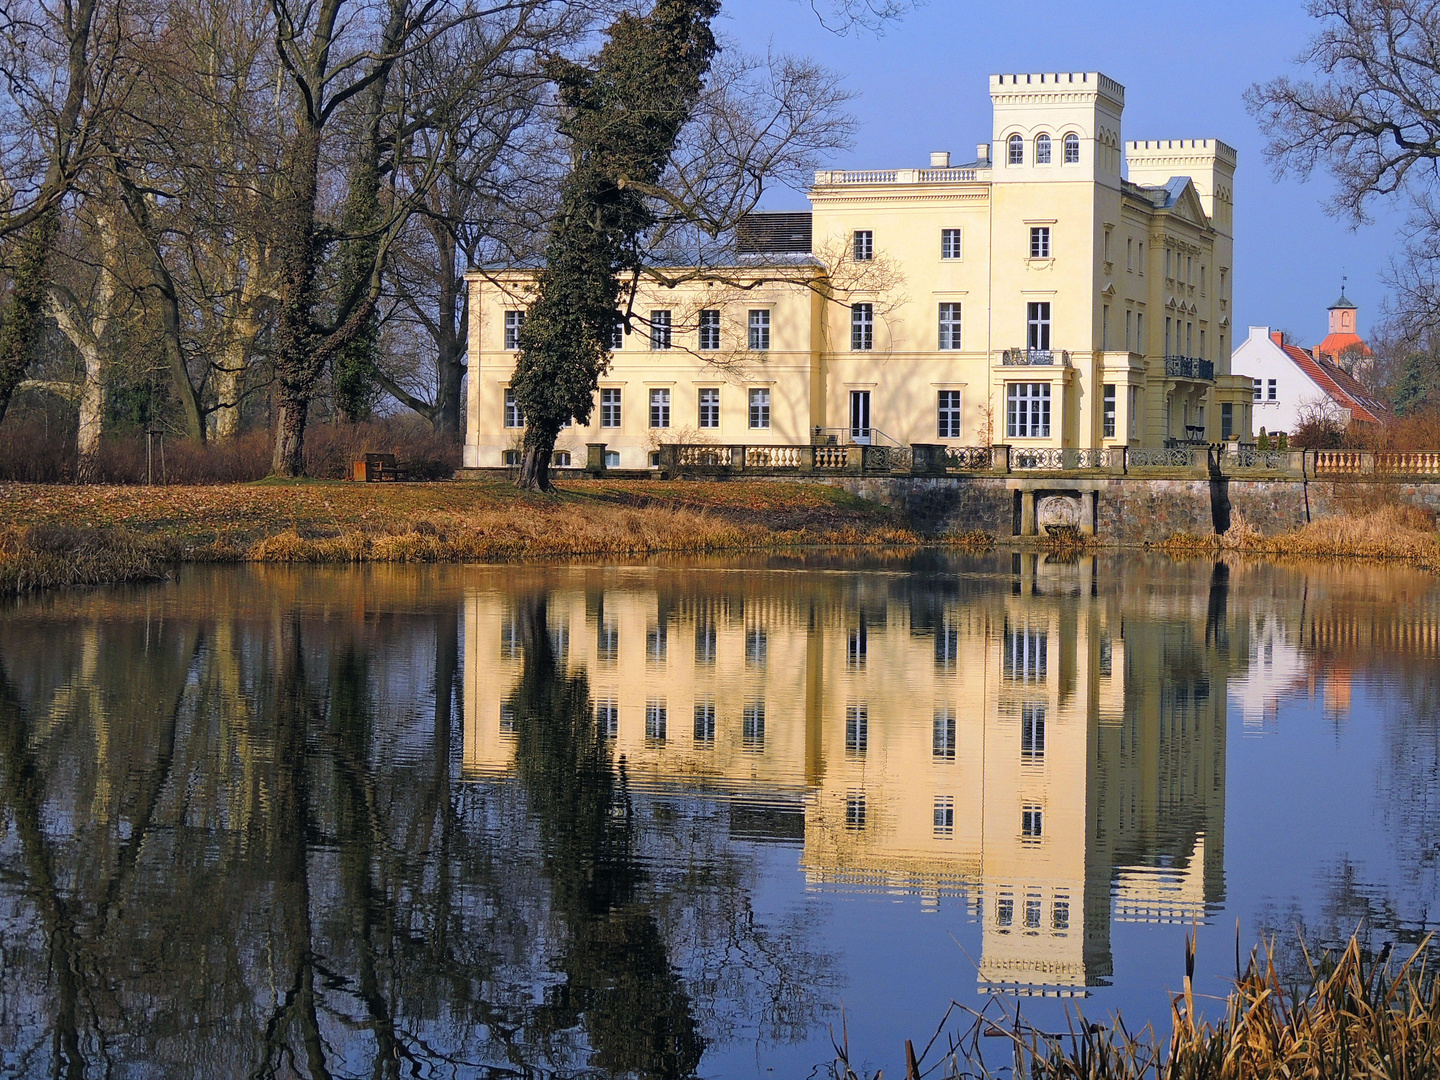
[855, 459]
[1295, 462]
[1000, 457]
[1367, 462]
[737, 459]
[668, 460]
[806, 462]
[927, 459]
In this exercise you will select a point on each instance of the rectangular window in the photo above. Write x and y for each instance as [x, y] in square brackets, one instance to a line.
[757, 648]
[511, 457]
[1032, 822]
[857, 729]
[1168, 274]
[947, 647]
[950, 326]
[1140, 345]
[1032, 734]
[1189, 270]
[1027, 410]
[659, 408]
[1107, 413]
[560, 459]
[759, 407]
[857, 647]
[759, 330]
[949, 243]
[1060, 914]
[1189, 339]
[1140, 258]
[1104, 327]
[607, 645]
[943, 737]
[1133, 412]
[862, 326]
[513, 321]
[1167, 336]
[1202, 279]
[659, 329]
[513, 416]
[1128, 319]
[855, 811]
[944, 815]
[607, 718]
[655, 721]
[1032, 912]
[1227, 420]
[1129, 253]
[1037, 325]
[1040, 241]
[1026, 655]
[710, 329]
[610, 407]
[1004, 910]
[617, 336]
[864, 245]
[1202, 341]
[752, 727]
[948, 414]
[657, 642]
[710, 407]
[704, 643]
[1270, 390]
[705, 723]
[1257, 388]
[612, 459]
[1107, 245]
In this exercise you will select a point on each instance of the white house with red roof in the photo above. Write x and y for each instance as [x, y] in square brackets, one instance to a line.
[1290, 382]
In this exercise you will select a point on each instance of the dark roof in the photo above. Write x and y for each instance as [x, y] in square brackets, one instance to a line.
[773, 233]
[1343, 302]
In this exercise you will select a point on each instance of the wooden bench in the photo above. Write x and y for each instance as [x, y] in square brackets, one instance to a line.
[376, 468]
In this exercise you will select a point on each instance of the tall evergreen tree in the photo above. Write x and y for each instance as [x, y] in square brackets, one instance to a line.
[623, 116]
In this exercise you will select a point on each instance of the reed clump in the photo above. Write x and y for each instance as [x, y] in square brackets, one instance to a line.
[1396, 532]
[1353, 1016]
[57, 556]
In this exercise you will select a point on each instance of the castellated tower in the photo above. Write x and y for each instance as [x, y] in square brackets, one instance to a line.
[1209, 163]
[1081, 107]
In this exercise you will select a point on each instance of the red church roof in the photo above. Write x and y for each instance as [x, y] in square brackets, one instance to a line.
[1342, 388]
[1335, 344]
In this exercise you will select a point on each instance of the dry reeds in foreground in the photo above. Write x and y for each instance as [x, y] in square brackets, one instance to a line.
[1357, 1018]
[1404, 533]
[48, 557]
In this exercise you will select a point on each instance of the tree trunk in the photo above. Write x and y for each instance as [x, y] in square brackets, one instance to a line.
[92, 412]
[289, 459]
[27, 300]
[535, 459]
[295, 337]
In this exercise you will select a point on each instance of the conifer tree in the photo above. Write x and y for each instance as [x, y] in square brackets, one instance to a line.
[623, 116]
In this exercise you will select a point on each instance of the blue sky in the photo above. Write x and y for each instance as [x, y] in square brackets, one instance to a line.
[924, 86]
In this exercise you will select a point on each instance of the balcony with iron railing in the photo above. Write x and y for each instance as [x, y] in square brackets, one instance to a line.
[1035, 358]
[1189, 367]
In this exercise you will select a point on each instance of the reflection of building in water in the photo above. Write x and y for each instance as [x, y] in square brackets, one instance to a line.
[1029, 747]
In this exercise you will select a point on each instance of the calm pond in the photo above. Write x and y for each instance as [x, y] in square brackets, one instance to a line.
[680, 818]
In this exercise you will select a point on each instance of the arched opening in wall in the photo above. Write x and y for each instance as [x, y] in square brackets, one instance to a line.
[1016, 155]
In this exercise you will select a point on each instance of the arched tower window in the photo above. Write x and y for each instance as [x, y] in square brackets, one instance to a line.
[1072, 149]
[1017, 150]
[1042, 149]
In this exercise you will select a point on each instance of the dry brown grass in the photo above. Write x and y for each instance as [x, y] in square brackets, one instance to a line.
[48, 557]
[1353, 1017]
[1387, 532]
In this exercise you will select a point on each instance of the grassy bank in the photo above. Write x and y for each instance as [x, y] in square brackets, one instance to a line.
[1352, 1015]
[75, 535]
[1402, 533]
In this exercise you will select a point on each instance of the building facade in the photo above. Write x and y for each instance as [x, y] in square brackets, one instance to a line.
[1036, 296]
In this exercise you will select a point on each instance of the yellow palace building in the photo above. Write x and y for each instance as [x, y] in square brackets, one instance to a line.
[1064, 289]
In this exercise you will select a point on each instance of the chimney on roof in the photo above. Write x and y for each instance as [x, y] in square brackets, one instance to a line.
[982, 154]
[1277, 336]
[1315, 352]
[940, 159]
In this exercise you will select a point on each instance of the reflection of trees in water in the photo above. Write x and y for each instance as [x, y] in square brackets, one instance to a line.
[238, 847]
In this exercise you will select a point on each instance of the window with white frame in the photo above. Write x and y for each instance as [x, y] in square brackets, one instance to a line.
[948, 414]
[710, 329]
[660, 408]
[1042, 149]
[705, 643]
[1060, 913]
[610, 407]
[1132, 411]
[1257, 388]
[1270, 391]
[950, 244]
[617, 336]
[1033, 906]
[950, 325]
[1227, 420]
[514, 320]
[709, 409]
[514, 418]
[1032, 734]
[857, 729]
[1026, 656]
[864, 245]
[1129, 318]
[947, 647]
[1032, 822]
[944, 815]
[607, 717]
[752, 727]
[656, 720]
[1004, 909]
[855, 811]
[1027, 410]
[942, 745]
[1037, 325]
[1072, 149]
[1016, 150]
[862, 327]
[705, 723]
[1040, 241]
[659, 329]
[607, 641]
[759, 407]
[612, 459]
[510, 457]
[759, 330]
[1107, 412]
